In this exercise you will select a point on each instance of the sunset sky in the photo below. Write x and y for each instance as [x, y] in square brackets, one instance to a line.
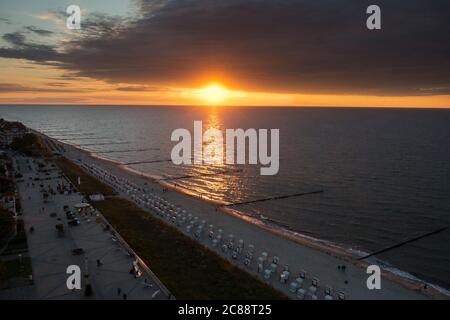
[233, 52]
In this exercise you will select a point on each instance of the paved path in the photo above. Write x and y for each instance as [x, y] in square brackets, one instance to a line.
[51, 254]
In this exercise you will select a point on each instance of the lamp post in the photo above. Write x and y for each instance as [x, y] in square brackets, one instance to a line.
[88, 287]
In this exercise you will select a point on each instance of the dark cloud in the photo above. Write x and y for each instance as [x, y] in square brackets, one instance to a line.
[58, 84]
[21, 49]
[38, 53]
[304, 46]
[62, 100]
[15, 38]
[38, 31]
[7, 87]
[142, 88]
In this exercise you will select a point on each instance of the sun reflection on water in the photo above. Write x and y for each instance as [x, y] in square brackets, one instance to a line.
[214, 179]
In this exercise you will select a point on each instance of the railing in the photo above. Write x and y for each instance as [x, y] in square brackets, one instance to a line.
[141, 262]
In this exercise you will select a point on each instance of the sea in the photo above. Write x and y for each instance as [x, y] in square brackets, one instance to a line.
[385, 173]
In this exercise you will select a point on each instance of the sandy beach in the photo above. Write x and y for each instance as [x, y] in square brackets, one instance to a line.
[317, 260]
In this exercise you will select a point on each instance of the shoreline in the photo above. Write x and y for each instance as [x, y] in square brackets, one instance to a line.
[316, 243]
[406, 280]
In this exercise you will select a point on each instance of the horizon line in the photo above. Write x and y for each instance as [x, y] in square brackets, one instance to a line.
[216, 106]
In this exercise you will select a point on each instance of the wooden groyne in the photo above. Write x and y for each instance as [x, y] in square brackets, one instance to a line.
[272, 198]
[148, 161]
[82, 138]
[101, 144]
[198, 175]
[128, 150]
[402, 243]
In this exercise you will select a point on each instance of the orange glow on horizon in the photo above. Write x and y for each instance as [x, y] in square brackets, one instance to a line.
[213, 94]
[37, 84]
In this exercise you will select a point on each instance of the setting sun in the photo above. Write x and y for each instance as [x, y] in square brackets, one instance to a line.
[214, 93]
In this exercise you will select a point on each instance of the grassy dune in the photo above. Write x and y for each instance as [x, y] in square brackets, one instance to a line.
[89, 185]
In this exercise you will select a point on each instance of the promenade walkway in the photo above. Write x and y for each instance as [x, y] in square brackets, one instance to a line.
[51, 252]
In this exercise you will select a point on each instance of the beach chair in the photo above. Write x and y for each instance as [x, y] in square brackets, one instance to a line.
[231, 245]
[312, 296]
[264, 255]
[250, 250]
[301, 277]
[273, 267]
[315, 282]
[261, 260]
[301, 293]
[314, 285]
[293, 286]
[284, 277]
[260, 268]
